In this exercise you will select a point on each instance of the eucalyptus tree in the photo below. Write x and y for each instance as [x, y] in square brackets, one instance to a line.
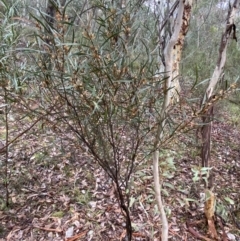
[173, 23]
[228, 34]
[210, 97]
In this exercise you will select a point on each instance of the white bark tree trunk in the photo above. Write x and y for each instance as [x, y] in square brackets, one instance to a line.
[174, 26]
[229, 33]
[172, 50]
[157, 188]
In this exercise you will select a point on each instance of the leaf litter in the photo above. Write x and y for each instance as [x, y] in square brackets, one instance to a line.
[58, 192]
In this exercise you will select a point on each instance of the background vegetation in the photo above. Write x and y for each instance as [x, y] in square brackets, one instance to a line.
[81, 101]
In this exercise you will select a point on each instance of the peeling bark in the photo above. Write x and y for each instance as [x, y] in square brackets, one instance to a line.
[170, 60]
[178, 48]
[171, 38]
[169, 56]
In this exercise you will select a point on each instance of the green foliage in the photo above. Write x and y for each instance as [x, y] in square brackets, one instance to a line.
[102, 80]
[200, 173]
[201, 51]
[58, 214]
[221, 210]
[232, 107]
[168, 167]
[95, 73]
[92, 74]
[82, 197]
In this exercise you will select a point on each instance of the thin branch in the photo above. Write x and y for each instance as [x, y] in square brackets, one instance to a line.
[25, 131]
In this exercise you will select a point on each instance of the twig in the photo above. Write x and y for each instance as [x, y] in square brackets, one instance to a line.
[196, 234]
[6, 150]
[22, 133]
[80, 235]
[57, 230]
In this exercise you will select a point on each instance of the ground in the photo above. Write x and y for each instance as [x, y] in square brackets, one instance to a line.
[57, 192]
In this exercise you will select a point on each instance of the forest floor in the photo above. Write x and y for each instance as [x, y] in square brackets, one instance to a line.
[59, 193]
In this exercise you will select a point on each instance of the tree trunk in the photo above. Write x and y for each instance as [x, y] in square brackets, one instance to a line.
[208, 105]
[206, 136]
[157, 188]
[178, 48]
[170, 60]
[172, 34]
[230, 30]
